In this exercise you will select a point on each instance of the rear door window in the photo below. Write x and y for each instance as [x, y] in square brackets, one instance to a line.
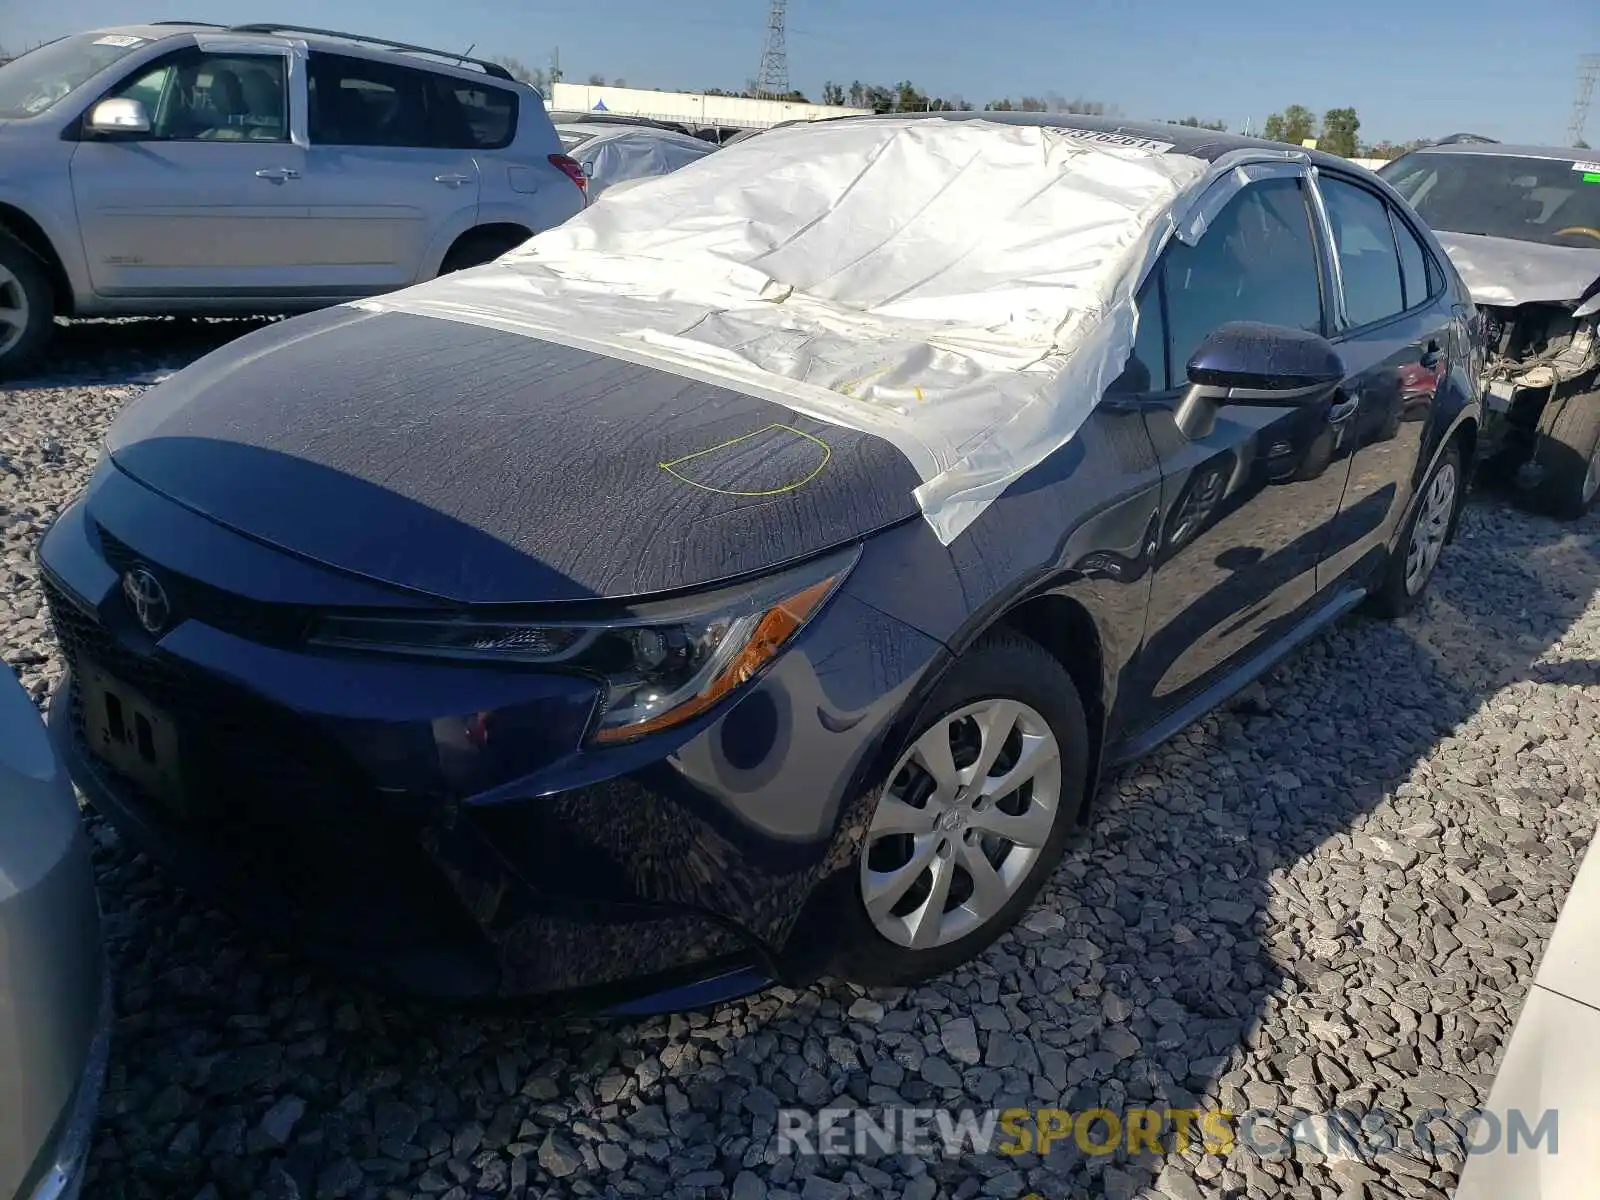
[358, 102]
[1415, 278]
[1369, 262]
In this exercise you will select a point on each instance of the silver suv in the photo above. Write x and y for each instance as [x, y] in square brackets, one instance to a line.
[188, 168]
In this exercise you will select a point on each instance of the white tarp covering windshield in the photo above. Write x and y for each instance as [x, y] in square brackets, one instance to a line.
[961, 288]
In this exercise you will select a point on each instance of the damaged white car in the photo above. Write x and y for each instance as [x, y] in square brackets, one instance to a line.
[1522, 225]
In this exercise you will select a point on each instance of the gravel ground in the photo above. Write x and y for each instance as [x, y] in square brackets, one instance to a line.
[1335, 893]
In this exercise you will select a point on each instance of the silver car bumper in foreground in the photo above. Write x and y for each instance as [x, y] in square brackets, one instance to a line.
[55, 996]
[63, 1176]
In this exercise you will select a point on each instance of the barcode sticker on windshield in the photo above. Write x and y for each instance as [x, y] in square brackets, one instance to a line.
[1588, 168]
[122, 41]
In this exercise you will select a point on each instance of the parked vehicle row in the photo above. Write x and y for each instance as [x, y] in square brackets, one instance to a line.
[1522, 224]
[713, 590]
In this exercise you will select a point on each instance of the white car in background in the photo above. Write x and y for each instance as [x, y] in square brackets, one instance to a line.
[612, 152]
[188, 168]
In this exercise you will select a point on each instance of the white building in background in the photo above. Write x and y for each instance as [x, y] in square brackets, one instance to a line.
[688, 108]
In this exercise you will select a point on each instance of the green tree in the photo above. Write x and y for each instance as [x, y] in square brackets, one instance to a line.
[596, 79]
[907, 98]
[1197, 123]
[880, 99]
[1033, 104]
[1294, 125]
[1340, 127]
[832, 93]
[1000, 106]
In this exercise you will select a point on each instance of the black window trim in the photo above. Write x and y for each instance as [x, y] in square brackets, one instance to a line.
[77, 130]
[1348, 330]
[1430, 267]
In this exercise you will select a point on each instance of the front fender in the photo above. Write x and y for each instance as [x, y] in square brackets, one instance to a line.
[38, 186]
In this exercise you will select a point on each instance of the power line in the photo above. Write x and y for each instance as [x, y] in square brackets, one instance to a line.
[1588, 69]
[773, 77]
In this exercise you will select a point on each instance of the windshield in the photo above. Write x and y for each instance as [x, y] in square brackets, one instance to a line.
[571, 139]
[41, 78]
[1554, 201]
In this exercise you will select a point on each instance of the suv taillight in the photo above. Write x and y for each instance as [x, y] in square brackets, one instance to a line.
[572, 170]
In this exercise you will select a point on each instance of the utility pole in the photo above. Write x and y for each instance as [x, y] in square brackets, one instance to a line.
[1588, 68]
[555, 66]
[773, 77]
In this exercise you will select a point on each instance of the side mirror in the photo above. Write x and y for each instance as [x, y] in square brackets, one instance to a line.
[119, 116]
[1246, 362]
[588, 169]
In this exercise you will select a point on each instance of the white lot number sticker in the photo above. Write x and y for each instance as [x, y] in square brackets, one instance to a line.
[121, 41]
[1121, 141]
[1588, 168]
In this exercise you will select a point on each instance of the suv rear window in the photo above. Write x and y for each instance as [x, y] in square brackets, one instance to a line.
[486, 116]
[364, 102]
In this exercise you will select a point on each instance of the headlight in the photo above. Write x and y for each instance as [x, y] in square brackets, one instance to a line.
[660, 663]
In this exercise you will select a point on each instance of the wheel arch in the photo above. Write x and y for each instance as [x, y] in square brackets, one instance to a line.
[1068, 632]
[1464, 436]
[23, 228]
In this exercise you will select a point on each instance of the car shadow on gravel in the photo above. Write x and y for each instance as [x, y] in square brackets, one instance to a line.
[130, 349]
[1333, 893]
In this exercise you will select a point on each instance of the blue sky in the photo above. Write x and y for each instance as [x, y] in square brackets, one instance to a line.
[1411, 68]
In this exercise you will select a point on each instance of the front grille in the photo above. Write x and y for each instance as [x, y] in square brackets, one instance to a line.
[273, 624]
[279, 802]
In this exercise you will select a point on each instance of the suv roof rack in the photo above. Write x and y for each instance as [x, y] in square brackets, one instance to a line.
[492, 69]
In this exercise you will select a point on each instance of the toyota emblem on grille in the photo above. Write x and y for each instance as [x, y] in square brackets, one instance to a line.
[147, 598]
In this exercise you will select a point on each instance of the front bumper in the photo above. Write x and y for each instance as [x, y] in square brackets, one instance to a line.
[341, 813]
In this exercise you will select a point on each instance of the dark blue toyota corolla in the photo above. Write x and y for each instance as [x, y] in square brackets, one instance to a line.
[754, 576]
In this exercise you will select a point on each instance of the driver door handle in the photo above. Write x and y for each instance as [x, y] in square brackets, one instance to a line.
[277, 174]
[454, 181]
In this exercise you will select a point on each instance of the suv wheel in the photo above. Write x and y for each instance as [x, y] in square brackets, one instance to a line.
[1568, 448]
[478, 246]
[27, 307]
[974, 817]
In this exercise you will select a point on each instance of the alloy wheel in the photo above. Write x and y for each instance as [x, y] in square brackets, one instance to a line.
[966, 814]
[1428, 534]
[13, 309]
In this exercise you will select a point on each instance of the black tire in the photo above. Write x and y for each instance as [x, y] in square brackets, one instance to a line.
[1002, 665]
[29, 276]
[1567, 445]
[1394, 597]
[478, 246]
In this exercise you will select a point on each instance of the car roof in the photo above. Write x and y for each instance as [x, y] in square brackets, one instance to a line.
[350, 44]
[1207, 144]
[1501, 150]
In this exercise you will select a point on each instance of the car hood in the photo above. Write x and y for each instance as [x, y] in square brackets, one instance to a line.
[1506, 271]
[482, 466]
